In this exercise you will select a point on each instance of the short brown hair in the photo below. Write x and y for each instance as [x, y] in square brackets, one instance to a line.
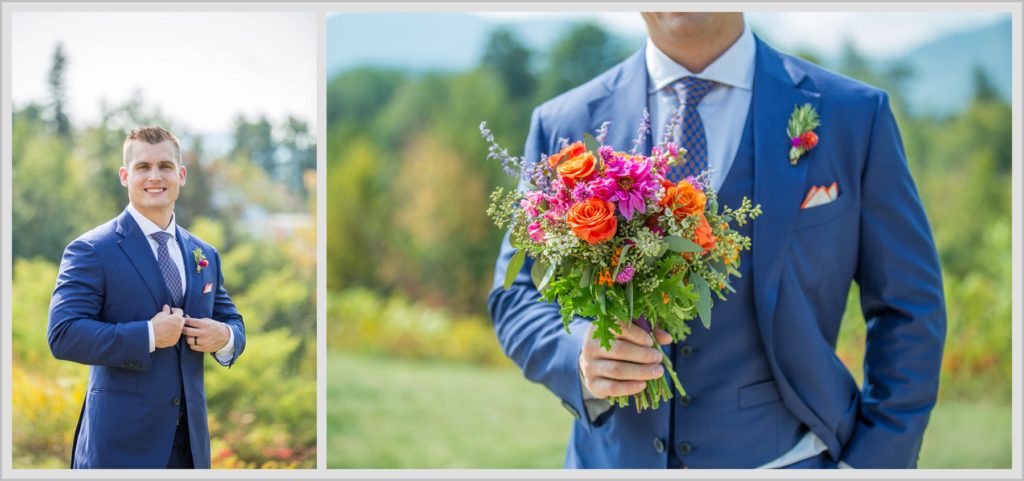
[152, 136]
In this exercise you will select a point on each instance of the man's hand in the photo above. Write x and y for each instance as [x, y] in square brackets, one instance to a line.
[205, 335]
[624, 370]
[167, 326]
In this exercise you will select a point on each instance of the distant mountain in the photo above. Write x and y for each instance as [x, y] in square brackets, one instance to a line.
[943, 70]
[942, 82]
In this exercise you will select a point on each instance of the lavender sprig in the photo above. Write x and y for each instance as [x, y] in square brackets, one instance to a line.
[602, 132]
[641, 132]
[670, 129]
[512, 165]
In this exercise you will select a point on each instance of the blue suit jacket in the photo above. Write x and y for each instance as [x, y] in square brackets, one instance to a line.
[875, 233]
[108, 287]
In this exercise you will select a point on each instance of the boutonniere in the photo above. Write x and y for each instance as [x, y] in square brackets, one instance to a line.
[800, 130]
[201, 261]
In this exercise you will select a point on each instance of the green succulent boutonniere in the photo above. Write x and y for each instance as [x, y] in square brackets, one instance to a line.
[801, 138]
[201, 261]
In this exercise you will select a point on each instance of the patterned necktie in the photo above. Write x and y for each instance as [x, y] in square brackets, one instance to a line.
[690, 91]
[171, 276]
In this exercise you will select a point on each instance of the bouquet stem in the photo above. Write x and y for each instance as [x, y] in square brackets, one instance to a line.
[657, 390]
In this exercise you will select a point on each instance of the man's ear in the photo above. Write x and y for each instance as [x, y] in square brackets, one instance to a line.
[122, 172]
[182, 174]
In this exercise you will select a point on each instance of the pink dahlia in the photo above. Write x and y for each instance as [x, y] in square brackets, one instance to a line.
[627, 183]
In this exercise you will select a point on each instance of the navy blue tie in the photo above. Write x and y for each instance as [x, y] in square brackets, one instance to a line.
[171, 276]
[690, 91]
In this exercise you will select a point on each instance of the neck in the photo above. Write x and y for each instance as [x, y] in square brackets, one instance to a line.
[162, 218]
[697, 51]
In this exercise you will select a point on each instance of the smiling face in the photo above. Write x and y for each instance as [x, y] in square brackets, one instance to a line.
[153, 177]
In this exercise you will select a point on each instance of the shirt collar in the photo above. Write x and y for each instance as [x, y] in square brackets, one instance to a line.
[147, 226]
[735, 67]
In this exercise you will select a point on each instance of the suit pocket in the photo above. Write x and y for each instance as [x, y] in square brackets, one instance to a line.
[823, 213]
[117, 380]
[757, 394]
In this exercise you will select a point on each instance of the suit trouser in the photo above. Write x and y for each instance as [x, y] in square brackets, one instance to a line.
[181, 450]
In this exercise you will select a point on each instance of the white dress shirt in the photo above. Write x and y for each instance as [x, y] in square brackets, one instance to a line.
[148, 228]
[723, 110]
[724, 114]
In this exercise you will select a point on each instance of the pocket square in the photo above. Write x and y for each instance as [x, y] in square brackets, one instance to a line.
[207, 288]
[820, 196]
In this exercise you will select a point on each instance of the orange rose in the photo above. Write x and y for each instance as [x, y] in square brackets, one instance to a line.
[570, 151]
[577, 168]
[703, 235]
[684, 199]
[593, 220]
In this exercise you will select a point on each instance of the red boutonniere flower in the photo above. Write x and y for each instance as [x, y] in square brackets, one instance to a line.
[201, 261]
[801, 138]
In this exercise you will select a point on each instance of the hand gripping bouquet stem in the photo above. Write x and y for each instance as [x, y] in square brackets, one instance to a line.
[614, 240]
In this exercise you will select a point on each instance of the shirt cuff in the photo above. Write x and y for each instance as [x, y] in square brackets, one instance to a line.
[594, 405]
[152, 337]
[227, 352]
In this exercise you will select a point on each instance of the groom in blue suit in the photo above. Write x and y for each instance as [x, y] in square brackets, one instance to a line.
[140, 300]
[764, 385]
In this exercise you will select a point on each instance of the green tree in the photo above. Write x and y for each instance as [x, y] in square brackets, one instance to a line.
[58, 93]
[511, 60]
[584, 52]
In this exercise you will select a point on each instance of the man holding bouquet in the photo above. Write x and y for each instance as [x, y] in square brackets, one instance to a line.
[821, 155]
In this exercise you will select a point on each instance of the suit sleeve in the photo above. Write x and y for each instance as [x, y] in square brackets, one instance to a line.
[224, 311]
[75, 332]
[900, 283]
[529, 330]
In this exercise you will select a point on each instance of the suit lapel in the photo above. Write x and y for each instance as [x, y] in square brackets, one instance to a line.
[626, 92]
[136, 247]
[778, 186]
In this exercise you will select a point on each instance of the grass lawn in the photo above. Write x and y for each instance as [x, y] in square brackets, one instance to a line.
[384, 413]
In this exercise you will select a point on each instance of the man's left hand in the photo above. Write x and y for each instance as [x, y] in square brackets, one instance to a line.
[205, 335]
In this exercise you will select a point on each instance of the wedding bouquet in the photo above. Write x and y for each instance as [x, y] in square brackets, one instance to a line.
[613, 240]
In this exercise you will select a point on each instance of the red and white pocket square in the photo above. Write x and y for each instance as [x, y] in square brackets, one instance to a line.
[820, 195]
[208, 288]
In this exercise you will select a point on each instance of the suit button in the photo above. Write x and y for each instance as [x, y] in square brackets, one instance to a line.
[176, 402]
[685, 448]
[572, 410]
[685, 400]
[659, 445]
[686, 350]
[124, 364]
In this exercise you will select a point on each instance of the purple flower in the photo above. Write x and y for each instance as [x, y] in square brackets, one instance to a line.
[625, 275]
[628, 183]
[602, 132]
[605, 152]
[581, 192]
[795, 142]
[695, 183]
[642, 131]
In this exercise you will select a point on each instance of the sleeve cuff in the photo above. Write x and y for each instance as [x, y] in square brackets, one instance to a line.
[152, 336]
[227, 352]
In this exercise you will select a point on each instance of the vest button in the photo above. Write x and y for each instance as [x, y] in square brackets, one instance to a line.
[685, 448]
[176, 402]
[685, 400]
[686, 350]
[659, 445]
